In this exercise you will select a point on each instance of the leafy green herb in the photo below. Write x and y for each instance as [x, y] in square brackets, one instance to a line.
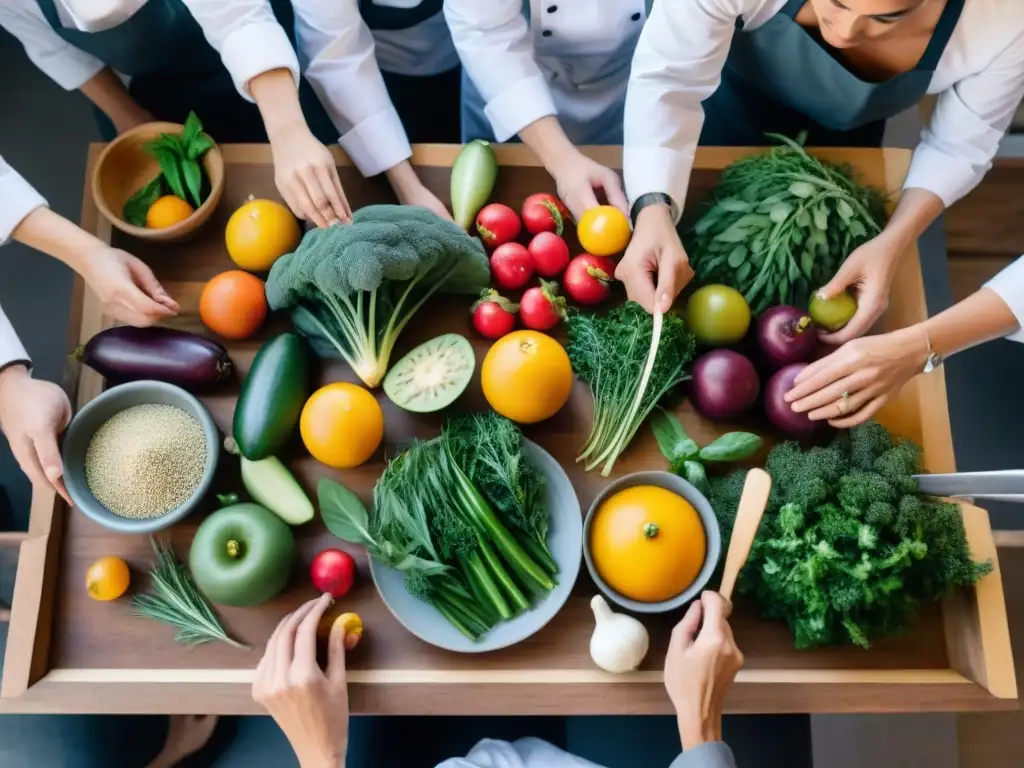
[732, 446]
[199, 147]
[686, 457]
[138, 204]
[695, 474]
[849, 550]
[170, 167]
[175, 600]
[193, 176]
[190, 132]
[180, 172]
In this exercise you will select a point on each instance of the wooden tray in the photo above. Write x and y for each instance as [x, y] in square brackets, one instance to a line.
[68, 653]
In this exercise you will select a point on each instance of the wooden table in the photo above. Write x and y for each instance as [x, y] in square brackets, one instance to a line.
[67, 653]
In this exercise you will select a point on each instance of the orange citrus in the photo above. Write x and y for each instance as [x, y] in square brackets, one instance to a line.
[233, 304]
[259, 233]
[107, 578]
[647, 543]
[167, 211]
[341, 425]
[526, 376]
[603, 231]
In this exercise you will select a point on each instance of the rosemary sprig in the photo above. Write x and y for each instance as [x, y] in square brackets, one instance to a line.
[176, 600]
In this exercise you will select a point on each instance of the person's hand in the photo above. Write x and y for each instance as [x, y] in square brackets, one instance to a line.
[577, 176]
[868, 273]
[32, 416]
[850, 385]
[417, 194]
[307, 178]
[186, 735]
[309, 705]
[701, 664]
[128, 289]
[655, 268]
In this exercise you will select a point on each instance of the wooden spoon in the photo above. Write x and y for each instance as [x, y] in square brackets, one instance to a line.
[748, 517]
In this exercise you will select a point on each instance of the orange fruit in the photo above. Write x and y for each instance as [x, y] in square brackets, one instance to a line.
[342, 425]
[603, 231]
[233, 304]
[526, 376]
[167, 211]
[647, 543]
[107, 578]
[259, 233]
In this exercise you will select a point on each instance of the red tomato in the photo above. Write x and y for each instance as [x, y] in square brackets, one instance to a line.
[588, 278]
[333, 571]
[511, 266]
[494, 315]
[550, 254]
[541, 307]
[497, 224]
[544, 212]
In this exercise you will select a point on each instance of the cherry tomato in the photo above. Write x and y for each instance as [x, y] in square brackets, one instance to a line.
[588, 278]
[550, 254]
[541, 307]
[333, 571]
[497, 224]
[603, 231]
[511, 266]
[494, 315]
[544, 212]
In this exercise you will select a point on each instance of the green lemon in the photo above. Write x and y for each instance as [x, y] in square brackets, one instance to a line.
[832, 314]
[718, 315]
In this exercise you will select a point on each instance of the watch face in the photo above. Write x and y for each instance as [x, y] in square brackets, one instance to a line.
[933, 361]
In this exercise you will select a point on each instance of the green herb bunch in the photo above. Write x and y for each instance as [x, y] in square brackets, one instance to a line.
[687, 459]
[849, 550]
[180, 172]
[778, 225]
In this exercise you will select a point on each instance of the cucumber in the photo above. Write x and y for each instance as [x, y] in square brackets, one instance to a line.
[270, 483]
[473, 175]
[272, 397]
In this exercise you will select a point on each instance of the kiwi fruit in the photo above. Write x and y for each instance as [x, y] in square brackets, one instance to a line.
[433, 375]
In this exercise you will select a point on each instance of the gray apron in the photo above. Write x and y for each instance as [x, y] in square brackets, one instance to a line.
[173, 71]
[780, 79]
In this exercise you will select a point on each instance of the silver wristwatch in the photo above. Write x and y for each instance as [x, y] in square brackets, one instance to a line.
[934, 359]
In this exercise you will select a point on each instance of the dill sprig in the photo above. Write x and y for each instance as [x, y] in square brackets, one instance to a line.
[176, 600]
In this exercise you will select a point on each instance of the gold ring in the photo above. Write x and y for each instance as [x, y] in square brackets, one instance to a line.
[844, 404]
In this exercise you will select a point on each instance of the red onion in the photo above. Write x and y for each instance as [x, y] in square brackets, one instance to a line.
[786, 335]
[779, 412]
[725, 384]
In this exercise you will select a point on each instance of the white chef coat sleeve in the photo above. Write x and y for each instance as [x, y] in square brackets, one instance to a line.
[12, 351]
[713, 754]
[18, 199]
[1009, 286]
[66, 65]
[677, 64]
[493, 41]
[248, 38]
[343, 72]
[963, 134]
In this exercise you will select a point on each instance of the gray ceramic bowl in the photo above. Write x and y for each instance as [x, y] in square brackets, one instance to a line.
[712, 533]
[92, 417]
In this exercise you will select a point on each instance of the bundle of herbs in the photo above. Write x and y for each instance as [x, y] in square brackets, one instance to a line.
[778, 225]
[631, 360]
[463, 517]
[848, 549]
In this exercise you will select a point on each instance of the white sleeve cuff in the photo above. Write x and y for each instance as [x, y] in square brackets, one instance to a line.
[378, 143]
[1009, 286]
[11, 349]
[525, 102]
[256, 48]
[657, 169]
[68, 67]
[18, 199]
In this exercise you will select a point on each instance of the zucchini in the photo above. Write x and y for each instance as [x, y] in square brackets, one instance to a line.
[270, 483]
[272, 397]
[473, 175]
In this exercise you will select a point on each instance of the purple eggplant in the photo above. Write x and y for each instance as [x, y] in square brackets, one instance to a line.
[187, 360]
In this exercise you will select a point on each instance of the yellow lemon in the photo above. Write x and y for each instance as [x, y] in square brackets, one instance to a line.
[259, 233]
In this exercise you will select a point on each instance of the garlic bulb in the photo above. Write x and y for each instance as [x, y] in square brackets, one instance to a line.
[619, 642]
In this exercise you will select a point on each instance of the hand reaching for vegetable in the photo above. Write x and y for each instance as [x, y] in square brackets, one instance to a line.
[186, 735]
[869, 272]
[32, 415]
[307, 177]
[701, 664]
[411, 191]
[128, 288]
[577, 176]
[309, 705]
[655, 268]
[869, 370]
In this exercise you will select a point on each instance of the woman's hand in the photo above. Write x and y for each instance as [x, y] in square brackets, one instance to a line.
[309, 705]
[32, 416]
[849, 386]
[701, 664]
[577, 176]
[307, 177]
[186, 735]
[655, 268]
[869, 272]
[128, 288]
[411, 191]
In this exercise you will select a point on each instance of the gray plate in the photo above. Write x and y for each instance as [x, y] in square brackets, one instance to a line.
[565, 540]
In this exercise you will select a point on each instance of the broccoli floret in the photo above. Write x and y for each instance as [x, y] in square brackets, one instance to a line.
[868, 441]
[880, 514]
[859, 490]
[899, 464]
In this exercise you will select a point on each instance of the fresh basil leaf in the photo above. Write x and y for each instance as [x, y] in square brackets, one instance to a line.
[165, 141]
[672, 439]
[193, 180]
[694, 474]
[170, 166]
[137, 206]
[732, 446]
[199, 146]
[193, 127]
[344, 513]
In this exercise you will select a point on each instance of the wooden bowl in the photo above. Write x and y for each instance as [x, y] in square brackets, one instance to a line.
[125, 167]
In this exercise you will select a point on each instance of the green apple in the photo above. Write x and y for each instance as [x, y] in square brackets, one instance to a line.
[242, 555]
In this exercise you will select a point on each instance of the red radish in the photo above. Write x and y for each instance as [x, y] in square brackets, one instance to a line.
[497, 224]
[333, 571]
[588, 278]
[544, 213]
[541, 307]
[550, 254]
[511, 266]
[786, 335]
[494, 315]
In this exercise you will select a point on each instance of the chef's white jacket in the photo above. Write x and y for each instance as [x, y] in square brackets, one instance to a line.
[534, 753]
[679, 58]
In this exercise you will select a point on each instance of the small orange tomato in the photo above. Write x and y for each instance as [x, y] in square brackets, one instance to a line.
[233, 304]
[107, 578]
[603, 231]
